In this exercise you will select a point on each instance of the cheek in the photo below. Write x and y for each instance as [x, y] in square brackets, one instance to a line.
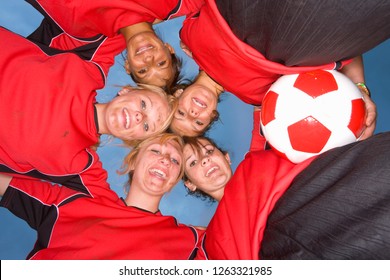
[196, 175]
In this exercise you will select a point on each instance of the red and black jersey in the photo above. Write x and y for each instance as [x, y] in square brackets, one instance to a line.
[47, 111]
[236, 66]
[73, 225]
[237, 227]
[91, 28]
[87, 18]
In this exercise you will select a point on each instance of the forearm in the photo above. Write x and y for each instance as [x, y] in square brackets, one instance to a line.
[355, 70]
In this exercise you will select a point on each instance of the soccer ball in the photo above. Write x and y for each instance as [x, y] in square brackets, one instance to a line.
[306, 114]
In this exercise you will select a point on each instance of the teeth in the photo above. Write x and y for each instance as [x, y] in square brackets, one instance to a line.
[196, 101]
[158, 172]
[211, 170]
[143, 49]
[127, 117]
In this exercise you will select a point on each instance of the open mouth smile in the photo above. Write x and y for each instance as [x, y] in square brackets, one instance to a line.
[126, 117]
[199, 102]
[143, 49]
[158, 173]
[212, 170]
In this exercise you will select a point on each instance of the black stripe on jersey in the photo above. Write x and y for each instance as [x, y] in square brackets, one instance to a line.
[195, 250]
[174, 10]
[72, 181]
[338, 65]
[39, 216]
[50, 29]
[85, 52]
[203, 246]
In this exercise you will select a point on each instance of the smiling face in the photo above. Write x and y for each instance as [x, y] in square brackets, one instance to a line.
[158, 167]
[206, 167]
[196, 110]
[149, 60]
[137, 114]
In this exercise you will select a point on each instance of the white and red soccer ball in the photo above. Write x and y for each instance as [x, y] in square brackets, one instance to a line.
[309, 113]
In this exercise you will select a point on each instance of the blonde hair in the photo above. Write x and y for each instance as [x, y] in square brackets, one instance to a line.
[128, 165]
[172, 104]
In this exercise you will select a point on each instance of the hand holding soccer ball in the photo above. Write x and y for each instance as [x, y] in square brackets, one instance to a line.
[309, 113]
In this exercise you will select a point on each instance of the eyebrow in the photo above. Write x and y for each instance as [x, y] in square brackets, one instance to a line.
[188, 157]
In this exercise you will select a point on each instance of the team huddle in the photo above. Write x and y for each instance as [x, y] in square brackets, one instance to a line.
[269, 207]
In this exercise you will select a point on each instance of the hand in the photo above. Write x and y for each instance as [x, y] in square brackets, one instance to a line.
[185, 49]
[370, 118]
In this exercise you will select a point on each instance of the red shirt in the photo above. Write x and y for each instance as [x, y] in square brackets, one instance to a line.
[96, 23]
[74, 225]
[87, 18]
[237, 227]
[236, 66]
[47, 111]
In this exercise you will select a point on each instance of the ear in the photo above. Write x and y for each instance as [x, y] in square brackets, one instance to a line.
[127, 67]
[124, 90]
[185, 49]
[190, 185]
[178, 93]
[170, 48]
[131, 165]
[228, 158]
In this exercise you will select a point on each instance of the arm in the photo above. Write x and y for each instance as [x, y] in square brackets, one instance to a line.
[355, 71]
[88, 18]
[4, 183]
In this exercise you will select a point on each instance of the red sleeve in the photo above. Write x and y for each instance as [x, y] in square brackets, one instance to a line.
[86, 18]
[46, 193]
[104, 56]
[236, 229]
[258, 141]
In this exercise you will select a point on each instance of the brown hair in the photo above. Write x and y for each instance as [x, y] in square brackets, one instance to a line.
[171, 84]
[196, 146]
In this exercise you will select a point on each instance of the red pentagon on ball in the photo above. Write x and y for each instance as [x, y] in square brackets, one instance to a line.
[316, 83]
[308, 135]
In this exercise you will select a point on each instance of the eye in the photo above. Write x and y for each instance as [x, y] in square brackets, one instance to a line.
[162, 63]
[142, 71]
[192, 163]
[199, 123]
[175, 161]
[209, 152]
[181, 113]
[157, 152]
[143, 105]
[146, 127]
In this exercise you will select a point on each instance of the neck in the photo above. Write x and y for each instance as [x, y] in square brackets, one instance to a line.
[208, 82]
[130, 31]
[143, 200]
[100, 112]
[218, 194]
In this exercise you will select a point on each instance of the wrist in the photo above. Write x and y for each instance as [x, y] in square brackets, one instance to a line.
[363, 88]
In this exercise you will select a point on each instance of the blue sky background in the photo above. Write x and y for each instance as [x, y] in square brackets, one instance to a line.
[232, 132]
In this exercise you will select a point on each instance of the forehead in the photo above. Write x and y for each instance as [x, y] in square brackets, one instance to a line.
[170, 145]
[196, 147]
[184, 127]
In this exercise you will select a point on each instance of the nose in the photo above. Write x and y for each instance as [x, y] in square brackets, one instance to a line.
[194, 113]
[138, 117]
[165, 160]
[148, 58]
[205, 161]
